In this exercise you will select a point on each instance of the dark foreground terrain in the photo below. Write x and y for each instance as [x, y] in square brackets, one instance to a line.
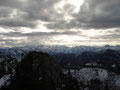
[40, 71]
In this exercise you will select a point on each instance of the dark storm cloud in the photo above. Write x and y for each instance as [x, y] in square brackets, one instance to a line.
[16, 23]
[108, 37]
[4, 12]
[31, 10]
[11, 3]
[36, 34]
[94, 14]
[40, 10]
[100, 14]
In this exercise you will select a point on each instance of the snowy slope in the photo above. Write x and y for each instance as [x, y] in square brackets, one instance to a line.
[5, 80]
[87, 74]
[97, 77]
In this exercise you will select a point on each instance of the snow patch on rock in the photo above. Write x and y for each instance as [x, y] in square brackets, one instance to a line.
[87, 74]
[5, 80]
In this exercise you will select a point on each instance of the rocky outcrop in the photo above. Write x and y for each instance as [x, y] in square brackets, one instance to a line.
[7, 70]
[39, 71]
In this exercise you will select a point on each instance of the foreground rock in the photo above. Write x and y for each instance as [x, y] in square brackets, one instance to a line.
[7, 70]
[39, 71]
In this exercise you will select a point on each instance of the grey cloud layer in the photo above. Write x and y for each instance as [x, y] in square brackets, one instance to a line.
[93, 14]
[31, 11]
[35, 34]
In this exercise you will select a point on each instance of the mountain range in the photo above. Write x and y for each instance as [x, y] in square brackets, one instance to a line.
[16, 52]
[60, 68]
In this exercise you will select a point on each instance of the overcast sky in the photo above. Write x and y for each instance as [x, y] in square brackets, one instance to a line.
[59, 22]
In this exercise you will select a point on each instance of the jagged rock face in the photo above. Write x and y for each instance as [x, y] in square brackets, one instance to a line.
[39, 71]
[7, 70]
[39, 67]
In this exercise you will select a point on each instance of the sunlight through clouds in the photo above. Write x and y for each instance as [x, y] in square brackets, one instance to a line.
[74, 3]
[77, 4]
